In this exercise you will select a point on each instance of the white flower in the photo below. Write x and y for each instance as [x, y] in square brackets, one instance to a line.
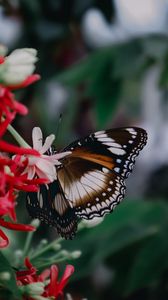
[44, 165]
[18, 66]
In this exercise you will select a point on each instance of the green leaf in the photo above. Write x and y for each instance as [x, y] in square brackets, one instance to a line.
[129, 59]
[7, 278]
[148, 265]
[85, 69]
[106, 90]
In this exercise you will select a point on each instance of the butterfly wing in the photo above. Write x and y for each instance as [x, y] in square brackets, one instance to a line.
[50, 206]
[91, 180]
[93, 175]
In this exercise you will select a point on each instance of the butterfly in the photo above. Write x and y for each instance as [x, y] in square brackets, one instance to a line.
[90, 181]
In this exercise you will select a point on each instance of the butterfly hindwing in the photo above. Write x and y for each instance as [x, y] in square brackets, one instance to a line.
[92, 189]
[50, 206]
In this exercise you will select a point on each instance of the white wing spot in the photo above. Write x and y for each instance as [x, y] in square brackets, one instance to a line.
[131, 130]
[105, 139]
[105, 170]
[118, 160]
[99, 132]
[117, 169]
[117, 151]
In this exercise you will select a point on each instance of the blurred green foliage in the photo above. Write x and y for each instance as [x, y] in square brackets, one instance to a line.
[132, 242]
[7, 279]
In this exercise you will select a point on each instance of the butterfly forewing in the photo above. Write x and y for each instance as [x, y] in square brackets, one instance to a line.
[115, 149]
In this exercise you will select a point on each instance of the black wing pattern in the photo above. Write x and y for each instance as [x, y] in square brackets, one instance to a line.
[91, 180]
[50, 206]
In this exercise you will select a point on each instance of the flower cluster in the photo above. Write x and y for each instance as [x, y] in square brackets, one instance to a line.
[15, 72]
[11, 178]
[23, 168]
[43, 286]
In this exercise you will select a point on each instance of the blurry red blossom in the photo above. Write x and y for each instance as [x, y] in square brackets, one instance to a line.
[4, 241]
[52, 288]
[16, 72]
[11, 181]
[2, 59]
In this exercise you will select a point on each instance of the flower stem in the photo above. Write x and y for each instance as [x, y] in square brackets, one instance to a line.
[17, 137]
[45, 249]
[27, 243]
[49, 263]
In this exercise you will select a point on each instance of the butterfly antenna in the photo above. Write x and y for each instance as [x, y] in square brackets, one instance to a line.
[58, 126]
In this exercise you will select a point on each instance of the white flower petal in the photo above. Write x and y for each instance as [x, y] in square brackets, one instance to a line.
[61, 155]
[17, 74]
[30, 172]
[12, 79]
[37, 138]
[47, 168]
[47, 144]
[24, 69]
[51, 159]
[18, 65]
[49, 177]
[20, 56]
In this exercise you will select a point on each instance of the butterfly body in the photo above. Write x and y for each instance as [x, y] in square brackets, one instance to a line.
[90, 181]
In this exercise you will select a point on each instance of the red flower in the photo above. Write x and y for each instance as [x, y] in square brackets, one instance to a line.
[16, 72]
[11, 181]
[4, 241]
[2, 59]
[53, 289]
[8, 104]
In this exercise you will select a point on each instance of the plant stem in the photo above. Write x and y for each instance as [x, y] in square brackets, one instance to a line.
[49, 263]
[17, 137]
[45, 249]
[27, 243]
